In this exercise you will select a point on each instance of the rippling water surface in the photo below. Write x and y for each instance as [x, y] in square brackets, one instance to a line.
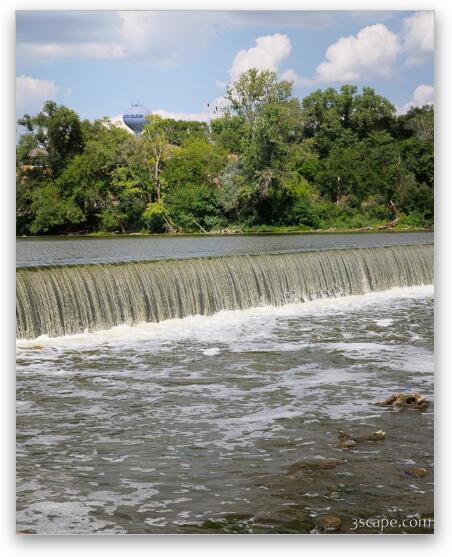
[64, 250]
[228, 423]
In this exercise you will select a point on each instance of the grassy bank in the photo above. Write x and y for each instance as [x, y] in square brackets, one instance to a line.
[258, 230]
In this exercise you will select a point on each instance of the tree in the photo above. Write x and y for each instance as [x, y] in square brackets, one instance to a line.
[183, 130]
[371, 112]
[338, 159]
[330, 116]
[196, 162]
[229, 132]
[126, 202]
[156, 137]
[87, 179]
[254, 89]
[194, 208]
[57, 131]
[52, 212]
[191, 178]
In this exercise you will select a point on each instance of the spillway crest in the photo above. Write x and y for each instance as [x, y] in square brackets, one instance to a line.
[71, 299]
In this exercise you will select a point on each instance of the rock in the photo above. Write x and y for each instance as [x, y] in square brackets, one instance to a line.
[298, 469]
[377, 435]
[329, 522]
[335, 495]
[416, 472]
[406, 400]
[348, 444]
[343, 435]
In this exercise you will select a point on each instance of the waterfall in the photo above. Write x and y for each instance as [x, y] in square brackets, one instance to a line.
[71, 299]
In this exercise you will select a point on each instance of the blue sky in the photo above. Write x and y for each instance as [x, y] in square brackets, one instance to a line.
[177, 62]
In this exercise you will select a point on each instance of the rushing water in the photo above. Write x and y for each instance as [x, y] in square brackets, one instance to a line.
[206, 424]
[66, 300]
[206, 395]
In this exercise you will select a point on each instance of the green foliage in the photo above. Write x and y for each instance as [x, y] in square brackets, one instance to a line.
[57, 132]
[339, 159]
[196, 162]
[193, 206]
[303, 213]
[183, 130]
[415, 219]
[228, 132]
[52, 212]
[155, 217]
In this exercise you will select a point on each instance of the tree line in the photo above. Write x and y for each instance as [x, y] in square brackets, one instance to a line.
[335, 159]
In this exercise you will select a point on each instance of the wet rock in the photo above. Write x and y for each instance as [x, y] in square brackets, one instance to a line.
[298, 469]
[36, 347]
[416, 472]
[406, 400]
[349, 444]
[335, 495]
[343, 435]
[377, 435]
[328, 522]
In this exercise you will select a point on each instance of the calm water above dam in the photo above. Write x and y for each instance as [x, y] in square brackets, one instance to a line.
[227, 420]
[64, 250]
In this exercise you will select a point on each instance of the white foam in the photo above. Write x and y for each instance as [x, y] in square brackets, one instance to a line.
[221, 324]
[211, 351]
[384, 322]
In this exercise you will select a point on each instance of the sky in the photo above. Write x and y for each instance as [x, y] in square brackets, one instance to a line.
[178, 63]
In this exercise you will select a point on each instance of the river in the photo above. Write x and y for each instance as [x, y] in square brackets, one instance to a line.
[230, 422]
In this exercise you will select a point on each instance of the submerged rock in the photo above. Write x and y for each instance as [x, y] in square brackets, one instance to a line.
[406, 400]
[298, 469]
[349, 444]
[329, 522]
[36, 347]
[377, 435]
[416, 472]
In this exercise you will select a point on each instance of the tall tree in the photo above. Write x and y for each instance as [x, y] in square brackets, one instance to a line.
[156, 136]
[57, 135]
[254, 89]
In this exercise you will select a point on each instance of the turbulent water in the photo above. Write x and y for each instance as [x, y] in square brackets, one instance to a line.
[65, 300]
[208, 395]
[228, 423]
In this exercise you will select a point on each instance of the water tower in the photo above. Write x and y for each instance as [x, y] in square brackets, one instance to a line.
[135, 117]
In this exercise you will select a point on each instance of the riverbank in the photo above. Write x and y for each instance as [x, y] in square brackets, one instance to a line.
[258, 231]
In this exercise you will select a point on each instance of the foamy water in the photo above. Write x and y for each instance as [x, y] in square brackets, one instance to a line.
[194, 424]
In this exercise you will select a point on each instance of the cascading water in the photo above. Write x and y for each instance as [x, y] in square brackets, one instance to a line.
[66, 300]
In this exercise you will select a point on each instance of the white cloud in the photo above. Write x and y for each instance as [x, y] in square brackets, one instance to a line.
[119, 123]
[214, 109]
[373, 51]
[291, 75]
[418, 37]
[198, 116]
[31, 93]
[268, 54]
[422, 95]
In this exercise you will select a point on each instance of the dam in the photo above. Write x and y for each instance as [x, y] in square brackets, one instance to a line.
[71, 299]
